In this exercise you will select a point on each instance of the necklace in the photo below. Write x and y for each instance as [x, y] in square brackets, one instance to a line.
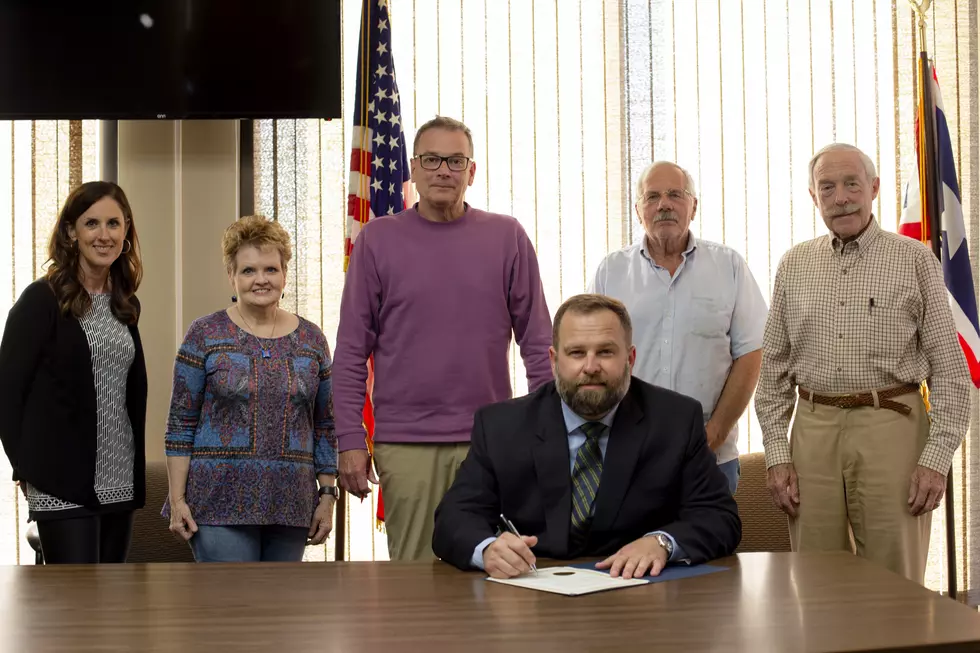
[266, 353]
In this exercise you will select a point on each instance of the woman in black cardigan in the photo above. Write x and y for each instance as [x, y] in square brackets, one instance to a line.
[73, 383]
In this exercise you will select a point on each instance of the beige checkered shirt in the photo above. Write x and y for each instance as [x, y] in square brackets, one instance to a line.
[868, 314]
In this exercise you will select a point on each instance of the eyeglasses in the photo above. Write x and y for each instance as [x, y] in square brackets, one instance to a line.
[455, 163]
[674, 195]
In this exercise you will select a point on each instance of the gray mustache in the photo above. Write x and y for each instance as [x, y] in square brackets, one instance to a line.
[844, 210]
[665, 215]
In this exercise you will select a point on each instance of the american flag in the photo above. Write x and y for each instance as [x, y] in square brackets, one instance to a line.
[957, 271]
[379, 175]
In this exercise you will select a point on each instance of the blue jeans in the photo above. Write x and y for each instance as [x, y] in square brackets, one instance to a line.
[732, 470]
[249, 543]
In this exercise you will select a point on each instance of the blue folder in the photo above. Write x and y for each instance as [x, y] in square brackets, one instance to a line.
[673, 572]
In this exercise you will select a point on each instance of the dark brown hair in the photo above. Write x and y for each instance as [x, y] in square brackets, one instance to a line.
[587, 304]
[64, 274]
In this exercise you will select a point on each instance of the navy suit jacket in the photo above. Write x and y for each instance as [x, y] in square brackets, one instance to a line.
[658, 474]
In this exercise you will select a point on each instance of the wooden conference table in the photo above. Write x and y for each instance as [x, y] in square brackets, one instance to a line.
[765, 602]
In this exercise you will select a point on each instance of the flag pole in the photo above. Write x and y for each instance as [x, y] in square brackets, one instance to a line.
[930, 188]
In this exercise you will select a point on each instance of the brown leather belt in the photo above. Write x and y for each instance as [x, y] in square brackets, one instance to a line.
[865, 398]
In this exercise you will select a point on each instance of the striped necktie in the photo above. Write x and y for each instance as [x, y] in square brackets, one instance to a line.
[585, 480]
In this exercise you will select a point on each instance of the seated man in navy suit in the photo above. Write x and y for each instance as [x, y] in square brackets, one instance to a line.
[597, 463]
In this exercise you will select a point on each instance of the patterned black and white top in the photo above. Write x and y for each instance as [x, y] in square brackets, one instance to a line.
[112, 350]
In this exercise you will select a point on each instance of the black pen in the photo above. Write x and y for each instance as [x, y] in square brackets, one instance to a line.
[510, 526]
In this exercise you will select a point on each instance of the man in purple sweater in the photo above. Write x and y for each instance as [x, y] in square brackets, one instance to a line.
[434, 293]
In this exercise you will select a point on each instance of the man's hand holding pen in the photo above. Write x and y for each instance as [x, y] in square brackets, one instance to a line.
[509, 555]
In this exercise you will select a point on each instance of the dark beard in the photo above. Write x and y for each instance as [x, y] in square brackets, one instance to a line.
[593, 403]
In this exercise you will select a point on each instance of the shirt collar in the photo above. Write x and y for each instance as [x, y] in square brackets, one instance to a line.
[466, 207]
[863, 241]
[692, 244]
[574, 420]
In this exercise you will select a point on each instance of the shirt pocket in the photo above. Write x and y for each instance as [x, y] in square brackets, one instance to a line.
[891, 329]
[710, 317]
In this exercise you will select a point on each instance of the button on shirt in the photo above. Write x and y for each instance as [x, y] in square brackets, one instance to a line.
[851, 317]
[688, 329]
[576, 438]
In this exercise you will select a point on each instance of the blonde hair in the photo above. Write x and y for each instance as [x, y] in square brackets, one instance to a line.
[259, 232]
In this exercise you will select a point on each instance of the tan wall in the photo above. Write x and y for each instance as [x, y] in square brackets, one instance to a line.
[182, 181]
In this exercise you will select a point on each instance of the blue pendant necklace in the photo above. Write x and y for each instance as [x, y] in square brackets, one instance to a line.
[266, 351]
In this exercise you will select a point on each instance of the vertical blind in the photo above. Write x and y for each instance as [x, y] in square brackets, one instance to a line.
[41, 161]
[538, 86]
[569, 100]
[745, 107]
[743, 93]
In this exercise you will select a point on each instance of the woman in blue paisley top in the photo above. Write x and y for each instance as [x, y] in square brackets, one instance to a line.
[251, 432]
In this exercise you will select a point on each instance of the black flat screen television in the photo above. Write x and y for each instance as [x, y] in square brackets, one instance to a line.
[172, 59]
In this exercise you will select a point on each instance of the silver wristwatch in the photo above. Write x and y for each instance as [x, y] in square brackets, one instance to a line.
[665, 542]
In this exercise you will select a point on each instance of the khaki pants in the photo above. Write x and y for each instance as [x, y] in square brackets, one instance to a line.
[414, 478]
[854, 467]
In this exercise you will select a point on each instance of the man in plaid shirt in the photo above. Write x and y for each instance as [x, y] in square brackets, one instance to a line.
[858, 319]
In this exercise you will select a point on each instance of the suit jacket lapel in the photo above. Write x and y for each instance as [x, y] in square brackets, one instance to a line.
[551, 463]
[626, 438]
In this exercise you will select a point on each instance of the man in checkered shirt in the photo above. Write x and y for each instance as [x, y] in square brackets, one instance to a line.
[858, 319]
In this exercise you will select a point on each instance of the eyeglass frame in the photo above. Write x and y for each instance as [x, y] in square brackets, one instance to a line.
[444, 159]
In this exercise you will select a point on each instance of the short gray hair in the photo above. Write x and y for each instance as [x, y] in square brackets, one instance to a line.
[443, 122]
[869, 165]
[688, 179]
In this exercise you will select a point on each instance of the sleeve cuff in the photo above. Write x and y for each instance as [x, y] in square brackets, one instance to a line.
[936, 457]
[179, 447]
[477, 560]
[742, 350]
[677, 553]
[778, 453]
[350, 441]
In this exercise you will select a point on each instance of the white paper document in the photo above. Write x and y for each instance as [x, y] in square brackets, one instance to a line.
[570, 581]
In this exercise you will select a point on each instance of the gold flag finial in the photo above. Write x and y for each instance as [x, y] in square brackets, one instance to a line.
[920, 8]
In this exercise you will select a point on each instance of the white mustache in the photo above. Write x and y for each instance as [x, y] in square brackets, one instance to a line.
[844, 210]
[665, 215]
